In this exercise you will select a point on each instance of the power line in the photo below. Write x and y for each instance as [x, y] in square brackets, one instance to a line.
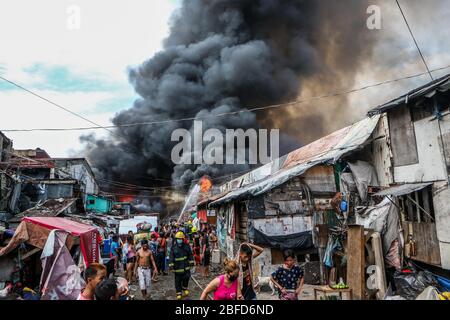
[255, 109]
[136, 187]
[69, 111]
[51, 102]
[117, 183]
[414, 38]
[431, 76]
[136, 195]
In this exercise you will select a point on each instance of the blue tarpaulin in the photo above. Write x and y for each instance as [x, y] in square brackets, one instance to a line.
[445, 283]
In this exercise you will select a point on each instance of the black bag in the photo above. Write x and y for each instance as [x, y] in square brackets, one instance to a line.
[410, 285]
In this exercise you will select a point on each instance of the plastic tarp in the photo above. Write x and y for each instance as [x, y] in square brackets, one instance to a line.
[299, 241]
[61, 278]
[89, 236]
[32, 234]
[411, 285]
[430, 293]
[382, 218]
[348, 183]
[443, 282]
[35, 231]
[364, 175]
[325, 150]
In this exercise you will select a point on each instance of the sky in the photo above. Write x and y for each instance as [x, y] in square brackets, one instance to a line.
[84, 69]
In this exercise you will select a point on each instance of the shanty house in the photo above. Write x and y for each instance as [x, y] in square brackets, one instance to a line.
[79, 169]
[278, 205]
[98, 204]
[414, 159]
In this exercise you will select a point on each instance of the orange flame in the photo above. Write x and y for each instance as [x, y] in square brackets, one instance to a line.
[205, 184]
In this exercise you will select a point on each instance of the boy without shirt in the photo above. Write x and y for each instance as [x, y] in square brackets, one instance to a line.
[144, 262]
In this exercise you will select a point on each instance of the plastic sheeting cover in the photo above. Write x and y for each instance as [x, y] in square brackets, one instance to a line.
[301, 240]
[364, 175]
[382, 218]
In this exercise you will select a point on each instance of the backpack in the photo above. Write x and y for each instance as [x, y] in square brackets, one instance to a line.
[153, 246]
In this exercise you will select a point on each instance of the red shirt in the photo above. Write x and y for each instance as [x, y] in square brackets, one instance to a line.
[155, 233]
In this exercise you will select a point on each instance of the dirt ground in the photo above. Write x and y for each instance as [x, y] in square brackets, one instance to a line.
[164, 288]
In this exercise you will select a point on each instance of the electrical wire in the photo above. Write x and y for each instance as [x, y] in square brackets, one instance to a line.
[281, 105]
[438, 116]
[414, 39]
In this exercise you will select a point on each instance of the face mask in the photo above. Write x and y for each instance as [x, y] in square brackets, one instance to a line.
[179, 241]
[232, 277]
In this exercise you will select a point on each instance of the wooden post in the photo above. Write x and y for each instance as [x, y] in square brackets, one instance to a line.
[356, 261]
[416, 194]
[323, 240]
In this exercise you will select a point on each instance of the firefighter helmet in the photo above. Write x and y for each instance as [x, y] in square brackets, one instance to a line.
[179, 235]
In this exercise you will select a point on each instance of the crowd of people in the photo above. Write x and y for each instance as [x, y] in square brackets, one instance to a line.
[182, 249]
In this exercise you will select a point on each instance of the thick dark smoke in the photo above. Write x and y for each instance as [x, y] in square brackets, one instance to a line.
[223, 56]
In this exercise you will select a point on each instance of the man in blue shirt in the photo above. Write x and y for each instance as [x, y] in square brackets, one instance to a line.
[115, 251]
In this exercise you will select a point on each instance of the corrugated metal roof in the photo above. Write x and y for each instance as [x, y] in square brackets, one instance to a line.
[402, 189]
[211, 198]
[442, 84]
[326, 149]
[50, 208]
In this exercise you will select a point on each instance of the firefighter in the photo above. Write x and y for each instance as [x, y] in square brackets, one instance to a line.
[189, 231]
[181, 261]
[196, 247]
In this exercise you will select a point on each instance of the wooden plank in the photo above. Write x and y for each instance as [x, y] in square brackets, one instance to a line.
[403, 139]
[277, 256]
[418, 212]
[427, 243]
[410, 207]
[355, 261]
[323, 235]
[426, 204]
[241, 224]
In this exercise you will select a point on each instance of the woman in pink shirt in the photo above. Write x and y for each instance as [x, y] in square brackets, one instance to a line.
[225, 286]
[131, 258]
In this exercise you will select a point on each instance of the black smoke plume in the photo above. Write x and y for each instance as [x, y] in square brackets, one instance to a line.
[223, 56]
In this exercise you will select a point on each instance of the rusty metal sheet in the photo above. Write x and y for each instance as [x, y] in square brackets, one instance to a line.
[338, 144]
[50, 208]
[314, 149]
